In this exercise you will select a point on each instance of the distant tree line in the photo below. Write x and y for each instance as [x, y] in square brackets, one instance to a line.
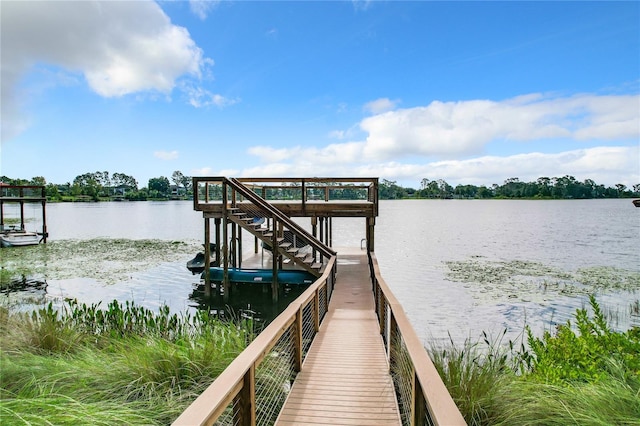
[104, 186]
[99, 186]
[566, 187]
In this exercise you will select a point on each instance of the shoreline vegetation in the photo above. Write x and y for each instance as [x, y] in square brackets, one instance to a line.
[121, 365]
[67, 363]
[128, 365]
[582, 372]
[102, 186]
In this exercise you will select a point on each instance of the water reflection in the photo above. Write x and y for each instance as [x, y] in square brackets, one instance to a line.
[245, 301]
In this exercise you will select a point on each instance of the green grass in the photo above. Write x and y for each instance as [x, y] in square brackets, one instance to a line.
[583, 374]
[132, 367]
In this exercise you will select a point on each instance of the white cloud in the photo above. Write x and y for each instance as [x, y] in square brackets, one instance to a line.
[166, 155]
[348, 152]
[453, 131]
[380, 105]
[200, 97]
[120, 48]
[605, 165]
[201, 8]
[463, 128]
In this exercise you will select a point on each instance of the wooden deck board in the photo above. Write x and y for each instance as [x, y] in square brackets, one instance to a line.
[345, 377]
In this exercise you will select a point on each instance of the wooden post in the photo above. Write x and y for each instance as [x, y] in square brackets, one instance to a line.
[21, 209]
[330, 231]
[298, 341]
[218, 246]
[322, 229]
[44, 216]
[225, 248]
[274, 261]
[418, 407]
[316, 307]
[304, 199]
[327, 221]
[207, 253]
[234, 248]
[314, 231]
[371, 226]
[239, 247]
[245, 407]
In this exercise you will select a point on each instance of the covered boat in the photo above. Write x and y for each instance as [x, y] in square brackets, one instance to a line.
[196, 265]
[261, 276]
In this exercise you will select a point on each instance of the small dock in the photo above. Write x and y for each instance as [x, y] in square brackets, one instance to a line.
[345, 377]
[343, 352]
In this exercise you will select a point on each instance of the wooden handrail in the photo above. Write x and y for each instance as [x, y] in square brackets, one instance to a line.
[257, 200]
[240, 374]
[429, 389]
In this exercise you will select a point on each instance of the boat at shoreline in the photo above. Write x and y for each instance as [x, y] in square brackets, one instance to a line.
[636, 202]
[19, 238]
[261, 276]
[196, 265]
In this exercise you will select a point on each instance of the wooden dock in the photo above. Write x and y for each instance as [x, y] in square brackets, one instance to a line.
[344, 351]
[345, 377]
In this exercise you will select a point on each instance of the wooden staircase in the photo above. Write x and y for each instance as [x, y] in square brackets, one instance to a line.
[290, 240]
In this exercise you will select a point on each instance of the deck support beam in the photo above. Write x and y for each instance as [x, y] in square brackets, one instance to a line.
[274, 261]
[217, 221]
[225, 248]
[371, 226]
[207, 253]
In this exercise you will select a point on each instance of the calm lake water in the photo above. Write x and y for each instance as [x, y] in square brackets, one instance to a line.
[415, 242]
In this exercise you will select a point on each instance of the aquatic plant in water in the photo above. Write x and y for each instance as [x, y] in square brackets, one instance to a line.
[533, 281]
[103, 259]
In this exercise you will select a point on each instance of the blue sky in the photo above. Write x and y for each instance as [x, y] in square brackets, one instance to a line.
[469, 92]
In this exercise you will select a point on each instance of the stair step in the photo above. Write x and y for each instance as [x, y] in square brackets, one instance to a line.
[317, 266]
[292, 251]
[284, 246]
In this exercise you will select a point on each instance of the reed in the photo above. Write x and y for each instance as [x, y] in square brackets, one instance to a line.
[474, 373]
[120, 365]
[583, 373]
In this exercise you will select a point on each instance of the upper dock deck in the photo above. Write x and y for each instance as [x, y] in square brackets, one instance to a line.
[298, 197]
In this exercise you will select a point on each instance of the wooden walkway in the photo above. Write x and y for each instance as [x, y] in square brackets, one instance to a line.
[345, 377]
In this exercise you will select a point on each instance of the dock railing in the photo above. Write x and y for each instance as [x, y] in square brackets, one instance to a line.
[423, 398]
[253, 388]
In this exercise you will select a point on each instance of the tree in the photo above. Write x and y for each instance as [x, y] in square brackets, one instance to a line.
[389, 190]
[87, 184]
[121, 179]
[177, 177]
[181, 180]
[38, 180]
[160, 185]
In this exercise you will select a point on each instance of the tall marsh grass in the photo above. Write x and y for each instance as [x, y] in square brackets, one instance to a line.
[120, 365]
[582, 374]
